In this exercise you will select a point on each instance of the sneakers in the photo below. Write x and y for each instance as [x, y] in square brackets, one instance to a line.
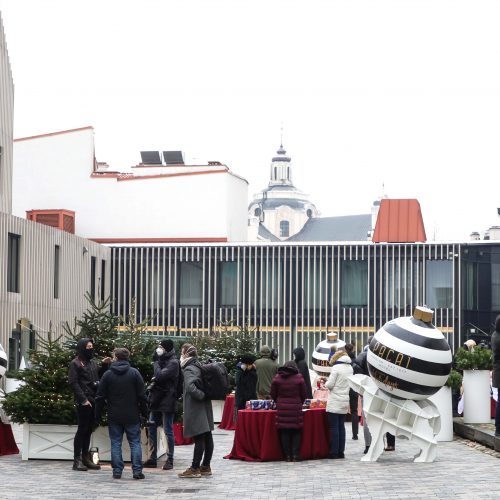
[169, 465]
[149, 464]
[190, 473]
[205, 470]
[139, 475]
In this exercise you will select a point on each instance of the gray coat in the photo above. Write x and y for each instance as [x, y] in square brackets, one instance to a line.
[198, 416]
[495, 347]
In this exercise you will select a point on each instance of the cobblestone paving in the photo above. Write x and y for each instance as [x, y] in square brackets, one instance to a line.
[462, 470]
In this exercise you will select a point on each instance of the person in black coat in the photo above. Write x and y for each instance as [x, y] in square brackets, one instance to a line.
[163, 401]
[353, 398]
[122, 390]
[246, 382]
[300, 361]
[495, 347]
[83, 377]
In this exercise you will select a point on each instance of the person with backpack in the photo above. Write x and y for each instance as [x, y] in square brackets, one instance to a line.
[198, 416]
[163, 402]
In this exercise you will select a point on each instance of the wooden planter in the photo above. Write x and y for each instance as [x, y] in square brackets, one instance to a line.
[55, 442]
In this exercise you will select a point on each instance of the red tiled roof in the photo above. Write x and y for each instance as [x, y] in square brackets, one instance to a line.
[399, 221]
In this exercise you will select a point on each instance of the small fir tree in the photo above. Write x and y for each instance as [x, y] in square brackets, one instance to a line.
[45, 397]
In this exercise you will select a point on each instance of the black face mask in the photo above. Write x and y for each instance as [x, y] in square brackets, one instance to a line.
[88, 353]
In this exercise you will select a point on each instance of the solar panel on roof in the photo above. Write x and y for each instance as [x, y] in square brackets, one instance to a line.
[173, 157]
[151, 157]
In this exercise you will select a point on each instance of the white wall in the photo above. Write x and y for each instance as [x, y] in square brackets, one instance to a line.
[35, 300]
[54, 171]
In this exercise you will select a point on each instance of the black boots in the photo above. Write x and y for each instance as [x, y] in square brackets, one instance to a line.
[78, 464]
[87, 461]
[169, 464]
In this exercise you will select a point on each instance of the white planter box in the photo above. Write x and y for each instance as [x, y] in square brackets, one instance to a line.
[477, 405]
[217, 409]
[55, 442]
[12, 384]
[442, 400]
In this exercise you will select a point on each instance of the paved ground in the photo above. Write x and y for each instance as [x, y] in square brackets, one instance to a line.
[462, 470]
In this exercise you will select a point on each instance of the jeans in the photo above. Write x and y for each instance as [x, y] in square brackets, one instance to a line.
[133, 432]
[203, 448]
[337, 433]
[165, 420]
[290, 442]
[85, 418]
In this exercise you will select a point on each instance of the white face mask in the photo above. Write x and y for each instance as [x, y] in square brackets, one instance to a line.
[160, 351]
[243, 366]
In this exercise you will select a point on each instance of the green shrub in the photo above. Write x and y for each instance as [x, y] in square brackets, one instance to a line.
[479, 358]
[454, 380]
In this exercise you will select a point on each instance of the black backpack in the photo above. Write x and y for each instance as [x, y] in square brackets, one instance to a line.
[215, 380]
[179, 390]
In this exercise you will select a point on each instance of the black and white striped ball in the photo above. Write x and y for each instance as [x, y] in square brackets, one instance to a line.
[409, 358]
[3, 361]
[322, 352]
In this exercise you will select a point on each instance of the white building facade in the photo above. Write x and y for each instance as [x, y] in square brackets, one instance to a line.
[44, 272]
[148, 204]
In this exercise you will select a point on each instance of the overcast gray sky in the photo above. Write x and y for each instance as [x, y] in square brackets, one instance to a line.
[404, 94]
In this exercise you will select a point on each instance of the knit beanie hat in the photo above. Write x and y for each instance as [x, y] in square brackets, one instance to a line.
[167, 344]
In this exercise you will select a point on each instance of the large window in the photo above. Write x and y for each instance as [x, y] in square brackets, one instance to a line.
[354, 283]
[495, 287]
[191, 284]
[230, 283]
[13, 260]
[284, 229]
[439, 284]
[93, 266]
[56, 271]
[103, 280]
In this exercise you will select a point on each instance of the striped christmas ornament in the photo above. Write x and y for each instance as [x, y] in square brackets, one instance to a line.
[322, 352]
[409, 358]
[3, 361]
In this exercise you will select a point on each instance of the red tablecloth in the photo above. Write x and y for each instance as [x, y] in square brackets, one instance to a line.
[7, 442]
[179, 438]
[227, 421]
[256, 438]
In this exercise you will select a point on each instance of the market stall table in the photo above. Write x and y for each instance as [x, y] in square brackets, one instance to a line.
[227, 421]
[256, 438]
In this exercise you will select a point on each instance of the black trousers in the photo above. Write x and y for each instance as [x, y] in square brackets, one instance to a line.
[203, 449]
[391, 440]
[353, 405]
[290, 442]
[85, 418]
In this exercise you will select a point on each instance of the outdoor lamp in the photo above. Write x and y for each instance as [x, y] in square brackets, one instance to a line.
[94, 455]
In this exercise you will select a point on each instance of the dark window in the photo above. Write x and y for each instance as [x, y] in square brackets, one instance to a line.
[56, 271]
[191, 284]
[284, 229]
[439, 284]
[495, 287]
[13, 263]
[93, 265]
[354, 283]
[103, 280]
[231, 283]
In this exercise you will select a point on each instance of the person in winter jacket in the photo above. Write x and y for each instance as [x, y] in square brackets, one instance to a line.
[122, 390]
[338, 401]
[83, 377]
[300, 360]
[288, 390]
[246, 383]
[198, 416]
[495, 347]
[266, 370]
[163, 402]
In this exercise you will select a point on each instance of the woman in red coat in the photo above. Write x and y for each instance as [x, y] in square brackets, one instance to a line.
[288, 390]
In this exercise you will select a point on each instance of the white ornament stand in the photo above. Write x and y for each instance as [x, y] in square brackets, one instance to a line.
[443, 402]
[418, 421]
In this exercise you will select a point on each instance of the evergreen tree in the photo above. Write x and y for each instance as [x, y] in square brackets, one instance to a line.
[45, 397]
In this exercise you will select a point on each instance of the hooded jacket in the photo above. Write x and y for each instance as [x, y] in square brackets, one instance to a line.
[288, 390]
[266, 370]
[122, 390]
[300, 360]
[495, 347]
[337, 384]
[83, 374]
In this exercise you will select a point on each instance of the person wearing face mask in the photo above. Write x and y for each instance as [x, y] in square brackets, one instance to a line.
[84, 374]
[163, 401]
[246, 383]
